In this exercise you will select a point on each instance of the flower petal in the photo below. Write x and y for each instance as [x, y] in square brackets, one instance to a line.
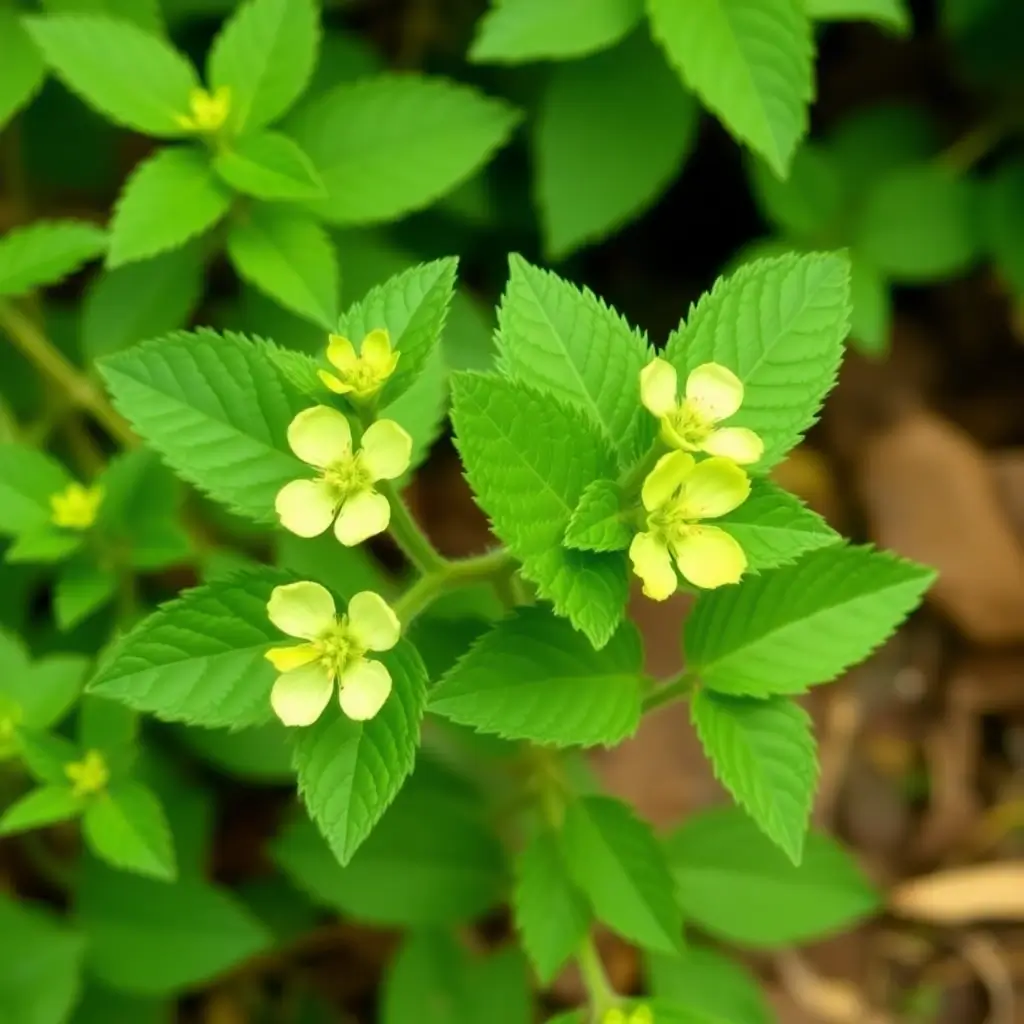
[653, 564]
[709, 557]
[303, 609]
[736, 443]
[284, 659]
[341, 353]
[386, 450]
[715, 390]
[320, 436]
[364, 515]
[332, 382]
[372, 622]
[662, 481]
[658, 386]
[363, 689]
[716, 486]
[300, 696]
[376, 350]
[305, 507]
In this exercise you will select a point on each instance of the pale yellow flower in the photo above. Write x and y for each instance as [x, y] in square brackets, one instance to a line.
[207, 111]
[76, 507]
[88, 776]
[639, 1015]
[334, 653]
[360, 376]
[713, 393]
[343, 492]
[677, 494]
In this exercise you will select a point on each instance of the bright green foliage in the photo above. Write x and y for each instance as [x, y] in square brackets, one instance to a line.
[40, 965]
[144, 13]
[27, 480]
[96, 56]
[749, 61]
[141, 300]
[807, 204]
[560, 340]
[391, 144]
[533, 677]
[891, 14]
[350, 772]
[551, 914]
[269, 166]
[431, 861]
[200, 659]
[151, 938]
[871, 317]
[615, 860]
[216, 409]
[709, 982]
[21, 66]
[45, 252]
[530, 487]
[598, 522]
[82, 588]
[736, 885]
[774, 527]
[171, 197]
[801, 625]
[612, 133]
[265, 56]
[779, 325]
[423, 409]
[1003, 223]
[516, 31]
[39, 808]
[764, 753]
[288, 255]
[126, 826]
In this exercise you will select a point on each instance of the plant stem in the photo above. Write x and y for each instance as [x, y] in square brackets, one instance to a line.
[39, 350]
[678, 687]
[973, 146]
[410, 538]
[600, 994]
[492, 567]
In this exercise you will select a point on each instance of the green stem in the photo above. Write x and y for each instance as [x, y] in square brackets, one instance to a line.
[493, 567]
[678, 687]
[972, 147]
[600, 994]
[40, 351]
[410, 538]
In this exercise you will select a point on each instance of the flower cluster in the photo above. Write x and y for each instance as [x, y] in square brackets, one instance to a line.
[342, 495]
[207, 111]
[76, 507]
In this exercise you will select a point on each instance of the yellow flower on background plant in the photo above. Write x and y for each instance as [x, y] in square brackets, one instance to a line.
[713, 393]
[88, 776]
[677, 494]
[363, 375]
[343, 492]
[207, 111]
[639, 1015]
[334, 652]
[76, 507]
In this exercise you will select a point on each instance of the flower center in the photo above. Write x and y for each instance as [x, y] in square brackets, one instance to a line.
[671, 522]
[364, 378]
[338, 648]
[690, 425]
[347, 477]
[88, 776]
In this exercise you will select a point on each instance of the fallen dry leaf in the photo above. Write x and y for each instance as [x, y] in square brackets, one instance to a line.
[960, 896]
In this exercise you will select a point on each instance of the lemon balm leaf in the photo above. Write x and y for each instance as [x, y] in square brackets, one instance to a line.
[269, 165]
[22, 70]
[890, 14]
[127, 827]
[44, 252]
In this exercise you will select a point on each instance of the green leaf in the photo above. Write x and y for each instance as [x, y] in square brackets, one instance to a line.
[40, 965]
[432, 859]
[169, 198]
[126, 826]
[44, 252]
[423, 409]
[391, 144]
[736, 885]
[269, 165]
[597, 522]
[774, 527]
[778, 324]
[129, 75]
[199, 659]
[141, 300]
[920, 223]
[612, 134]
[100, 1005]
[46, 544]
[559, 339]
[809, 203]
[349, 772]
[46, 755]
[1003, 223]
[82, 588]
[41, 807]
[890, 14]
[871, 317]
[551, 915]
[22, 69]
[216, 409]
[529, 488]
[615, 859]
[41, 692]
[289, 256]
[144, 13]
[750, 61]
[413, 306]
[107, 726]
[155, 938]
[800, 625]
[763, 752]
[518, 31]
[709, 982]
[533, 677]
[28, 479]
[265, 54]
[261, 754]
